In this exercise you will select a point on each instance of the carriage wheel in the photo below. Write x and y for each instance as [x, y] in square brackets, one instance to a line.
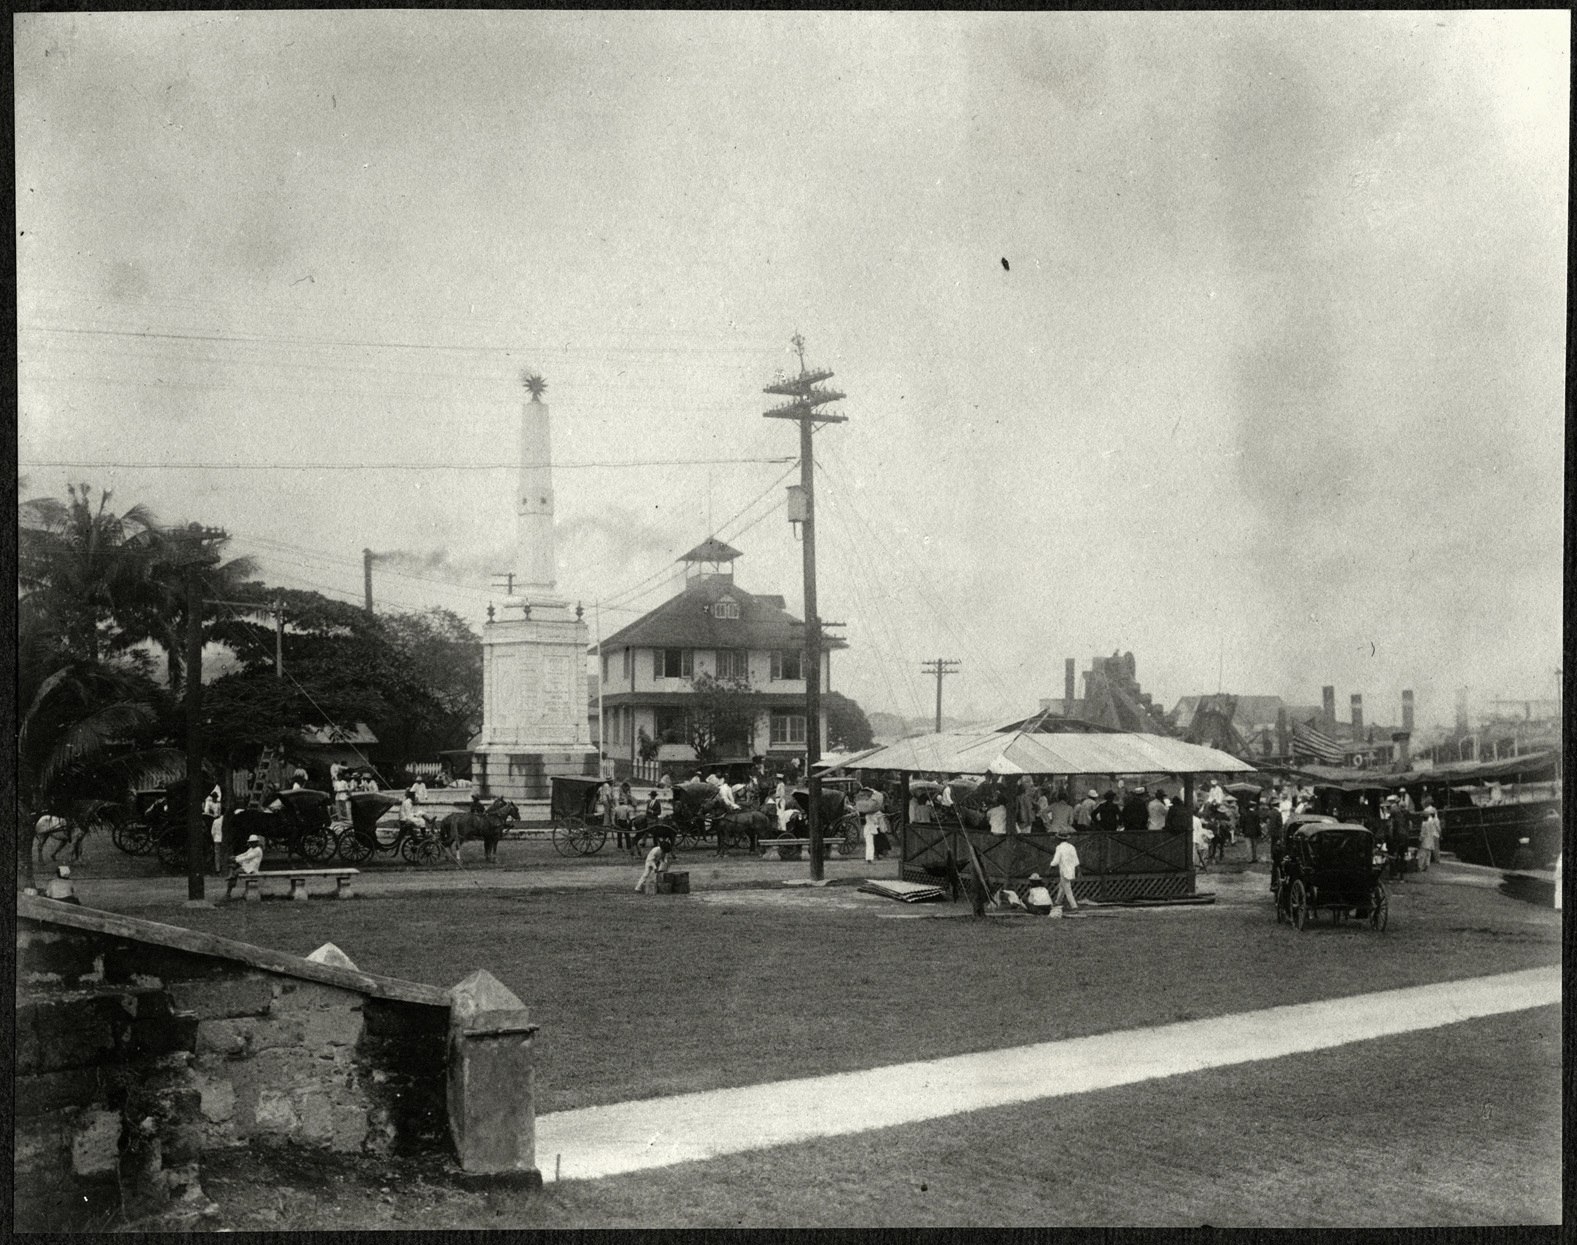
[1301, 915]
[588, 840]
[687, 841]
[353, 849]
[411, 849]
[1283, 910]
[1379, 912]
[850, 839]
[564, 836]
[133, 838]
[317, 844]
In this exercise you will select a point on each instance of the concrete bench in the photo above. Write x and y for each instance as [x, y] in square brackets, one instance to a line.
[827, 844]
[298, 881]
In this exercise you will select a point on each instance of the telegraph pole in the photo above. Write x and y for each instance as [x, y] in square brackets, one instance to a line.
[366, 576]
[805, 397]
[278, 612]
[940, 666]
[197, 551]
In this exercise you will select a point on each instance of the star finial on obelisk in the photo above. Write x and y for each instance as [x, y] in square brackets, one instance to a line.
[534, 384]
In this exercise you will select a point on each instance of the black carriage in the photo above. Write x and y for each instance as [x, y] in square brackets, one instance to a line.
[840, 824]
[1335, 868]
[300, 826]
[362, 839]
[574, 809]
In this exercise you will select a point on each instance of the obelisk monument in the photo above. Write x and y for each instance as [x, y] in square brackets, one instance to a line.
[534, 697]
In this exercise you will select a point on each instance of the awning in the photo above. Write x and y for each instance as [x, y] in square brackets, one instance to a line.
[1023, 752]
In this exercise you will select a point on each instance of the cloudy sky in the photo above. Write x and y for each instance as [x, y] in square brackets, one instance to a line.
[1268, 389]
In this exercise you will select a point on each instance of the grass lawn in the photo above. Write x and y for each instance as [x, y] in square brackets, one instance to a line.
[1458, 1125]
[641, 996]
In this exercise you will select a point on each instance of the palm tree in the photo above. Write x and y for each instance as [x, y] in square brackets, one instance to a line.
[78, 726]
[77, 564]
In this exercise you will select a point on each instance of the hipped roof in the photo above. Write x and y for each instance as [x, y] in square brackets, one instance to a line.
[1027, 752]
[686, 621]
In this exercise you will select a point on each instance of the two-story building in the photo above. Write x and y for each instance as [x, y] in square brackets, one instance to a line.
[712, 627]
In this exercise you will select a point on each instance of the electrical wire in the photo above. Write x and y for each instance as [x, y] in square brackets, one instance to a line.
[391, 466]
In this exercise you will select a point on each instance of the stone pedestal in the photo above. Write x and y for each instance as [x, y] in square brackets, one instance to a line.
[492, 1115]
[534, 702]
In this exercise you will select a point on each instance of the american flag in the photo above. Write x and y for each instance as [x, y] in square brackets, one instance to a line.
[1314, 744]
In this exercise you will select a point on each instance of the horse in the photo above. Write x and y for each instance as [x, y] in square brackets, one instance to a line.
[70, 833]
[744, 822]
[488, 825]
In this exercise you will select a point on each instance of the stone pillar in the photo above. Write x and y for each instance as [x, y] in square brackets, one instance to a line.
[492, 1115]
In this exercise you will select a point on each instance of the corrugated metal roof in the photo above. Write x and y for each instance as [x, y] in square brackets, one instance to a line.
[1023, 753]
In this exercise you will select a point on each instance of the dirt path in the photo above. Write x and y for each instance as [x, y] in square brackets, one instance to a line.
[627, 1137]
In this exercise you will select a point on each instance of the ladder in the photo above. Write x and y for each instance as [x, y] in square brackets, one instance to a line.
[264, 775]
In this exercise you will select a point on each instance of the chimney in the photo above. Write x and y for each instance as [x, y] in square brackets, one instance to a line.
[1068, 685]
[1407, 711]
[1403, 756]
[1357, 717]
[1328, 693]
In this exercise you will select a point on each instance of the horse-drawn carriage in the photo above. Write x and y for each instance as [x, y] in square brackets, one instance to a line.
[574, 810]
[840, 823]
[300, 826]
[1335, 868]
[363, 840]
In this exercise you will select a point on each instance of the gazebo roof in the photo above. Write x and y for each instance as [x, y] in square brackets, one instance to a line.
[1029, 752]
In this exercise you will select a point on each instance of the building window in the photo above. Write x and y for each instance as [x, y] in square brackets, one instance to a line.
[674, 663]
[733, 663]
[726, 607]
[626, 653]
[788, 728]
[670, 725]
[605, 667]
[786, 666]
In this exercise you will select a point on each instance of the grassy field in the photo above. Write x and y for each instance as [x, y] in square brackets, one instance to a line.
[639, 997]
[1459, 1125]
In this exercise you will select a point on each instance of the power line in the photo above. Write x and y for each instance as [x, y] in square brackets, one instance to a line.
[390, 466]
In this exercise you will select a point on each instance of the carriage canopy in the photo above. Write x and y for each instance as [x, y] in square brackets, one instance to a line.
[573, 796]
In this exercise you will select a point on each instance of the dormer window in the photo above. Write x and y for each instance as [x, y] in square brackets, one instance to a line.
[725, 607]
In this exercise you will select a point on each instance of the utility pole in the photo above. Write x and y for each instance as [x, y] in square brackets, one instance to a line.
[196, 552]
[366, 576]
[805, 397]
[278, 612]
[940, 666]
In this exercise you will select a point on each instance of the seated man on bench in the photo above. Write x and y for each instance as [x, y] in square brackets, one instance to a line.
[249, 861]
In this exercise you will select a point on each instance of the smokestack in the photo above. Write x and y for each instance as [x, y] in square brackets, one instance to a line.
[1357, 717]
[1068, 685]
[1461, 711]
[1282, 748]
[1407, 711]
[1403, 756]
[1328, 695]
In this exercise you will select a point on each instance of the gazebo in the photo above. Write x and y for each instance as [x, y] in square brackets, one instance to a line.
[1115, 865]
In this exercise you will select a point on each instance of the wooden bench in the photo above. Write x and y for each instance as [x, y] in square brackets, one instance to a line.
[298, 882]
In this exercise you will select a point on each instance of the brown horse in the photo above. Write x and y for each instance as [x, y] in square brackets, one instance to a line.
[459, 828]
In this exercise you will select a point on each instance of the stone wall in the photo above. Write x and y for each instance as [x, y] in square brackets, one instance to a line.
[140, 1045]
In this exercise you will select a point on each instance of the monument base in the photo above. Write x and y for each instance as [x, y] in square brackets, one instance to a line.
[519, 774]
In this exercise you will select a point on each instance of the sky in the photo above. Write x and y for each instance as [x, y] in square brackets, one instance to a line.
[1233, 340]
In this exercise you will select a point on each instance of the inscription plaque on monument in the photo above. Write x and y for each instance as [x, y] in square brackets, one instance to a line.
[553, 705]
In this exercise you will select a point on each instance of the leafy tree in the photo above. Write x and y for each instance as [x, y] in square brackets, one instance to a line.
[720, 716]
[646, 746]
[847, 728]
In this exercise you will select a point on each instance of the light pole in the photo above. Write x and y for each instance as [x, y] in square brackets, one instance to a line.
[196, 551]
